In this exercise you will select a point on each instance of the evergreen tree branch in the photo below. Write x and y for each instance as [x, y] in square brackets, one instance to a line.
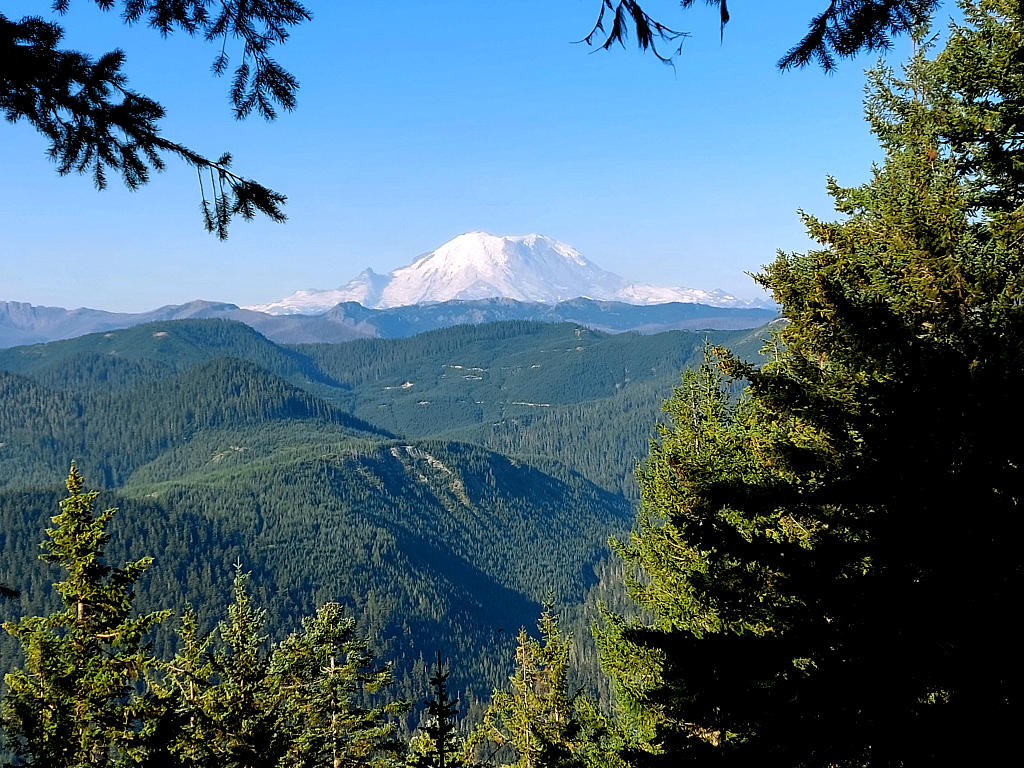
[94, 123]
[847, 27]
[260, 82]
[843, 29]
[626, 15]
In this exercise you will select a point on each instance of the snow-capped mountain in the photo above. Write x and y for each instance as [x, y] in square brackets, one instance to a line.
[478, 265]
[365, 288]
[481, 266]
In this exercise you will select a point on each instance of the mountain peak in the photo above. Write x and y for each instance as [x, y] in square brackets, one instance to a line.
[481, 265]
[523, 253]
[478, 244]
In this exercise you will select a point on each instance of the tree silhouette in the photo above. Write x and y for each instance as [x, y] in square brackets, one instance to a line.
[843, 29]
[96, 124]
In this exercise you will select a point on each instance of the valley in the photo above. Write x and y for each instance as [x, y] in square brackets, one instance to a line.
[441, 487]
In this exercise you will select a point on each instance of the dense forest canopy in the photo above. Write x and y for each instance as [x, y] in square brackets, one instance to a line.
[441, 514]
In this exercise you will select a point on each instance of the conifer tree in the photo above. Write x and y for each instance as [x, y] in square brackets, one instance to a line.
[537, 720]
[441, 747]
[324, 673]
[237, 721]
[817, 557]
[185, 689]
[80, 698]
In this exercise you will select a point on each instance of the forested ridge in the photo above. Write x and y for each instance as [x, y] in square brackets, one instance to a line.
[290, 461]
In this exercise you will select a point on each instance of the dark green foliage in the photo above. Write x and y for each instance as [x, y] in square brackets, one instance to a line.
[86, 696]
[232, 709]
[238, 700]
[985, 73]
[41, 428]
[323, 674]
[814, 555]
[539, 720]
[508, 384]
[534, 719]
[480, 376]
[431, 542]
[224, 447]
[439, 745]
[848, 27]
[196, 553]
[844, 28]
[423, 556]
[96, 124]
[604, 438]
[77, 700]
[188, 731]
[152, 351]
[91, 371]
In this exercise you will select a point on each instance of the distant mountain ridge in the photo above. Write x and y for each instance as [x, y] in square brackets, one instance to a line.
[479, 265]
[22, 323]
[474, 278]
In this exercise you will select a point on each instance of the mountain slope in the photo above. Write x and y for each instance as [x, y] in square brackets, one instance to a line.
[469, 375]
[161, 386]
[110, 434]
[432, 545]
[174, 346]
[220, 446]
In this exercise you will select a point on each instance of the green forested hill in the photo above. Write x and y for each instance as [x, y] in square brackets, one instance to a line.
[602, 438]
[111, 433]
[432, 544]
[477, 375]
[119, 359]
[511, 467]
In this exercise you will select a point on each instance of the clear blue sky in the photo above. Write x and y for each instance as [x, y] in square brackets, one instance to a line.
[418, 121]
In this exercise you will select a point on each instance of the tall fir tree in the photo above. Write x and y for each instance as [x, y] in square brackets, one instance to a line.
[185, 688]
[538, 722]
[81, 698]
[325, 674]
[232, 713]
[830, 560]
[439, 745]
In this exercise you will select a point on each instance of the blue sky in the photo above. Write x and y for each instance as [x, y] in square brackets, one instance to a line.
[418, 121]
